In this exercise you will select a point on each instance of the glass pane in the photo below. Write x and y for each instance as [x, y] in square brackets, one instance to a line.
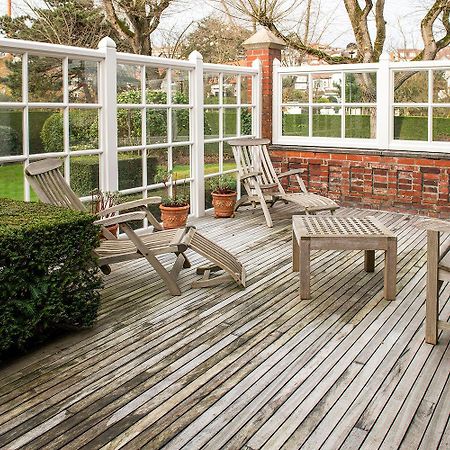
[327, 122]
[246, 90]
[82, 81]
[360, 87]
[130, 169]
[208, 189]
[360, 123]
[11, 132]
[327, 87]
[180, 125]
[411, 124]
[84, 174]
[11, 181]
[295, 88]
[212, 117]
[45, 79]
[412, 87]
[129, 127]
[181, 162]
[156, 126]
[129, 83]
[83, 129]
[230, 122]
[212, 157]
[230, 89]
[180, 87]
[441, 124]
[156, 160]
[295, 121]
[228, 159]
[156, 85]
[11, 78]
[246, 122]
[211, 88]
[154, 209]
[46, 130]
[441, 86]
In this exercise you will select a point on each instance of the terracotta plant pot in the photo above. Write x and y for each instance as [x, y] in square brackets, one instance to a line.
[174, 216]
[224, 204]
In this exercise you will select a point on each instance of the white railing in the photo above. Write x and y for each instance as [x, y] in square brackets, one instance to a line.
[101, 109]
[364, 105]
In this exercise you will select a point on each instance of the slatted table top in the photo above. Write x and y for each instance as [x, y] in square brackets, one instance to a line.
[331, 226]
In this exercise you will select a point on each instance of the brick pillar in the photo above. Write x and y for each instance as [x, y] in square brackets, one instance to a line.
[266, 47]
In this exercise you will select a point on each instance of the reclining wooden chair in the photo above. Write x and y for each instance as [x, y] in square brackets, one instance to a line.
[438, 271]
[47, 181]
[262, 184]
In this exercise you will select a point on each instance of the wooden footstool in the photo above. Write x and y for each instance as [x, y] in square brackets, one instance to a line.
[343, 233]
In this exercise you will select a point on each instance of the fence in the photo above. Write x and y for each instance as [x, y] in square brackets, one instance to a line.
[385, 105]
[117, 118]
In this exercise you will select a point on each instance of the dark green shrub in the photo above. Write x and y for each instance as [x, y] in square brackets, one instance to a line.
[83, 126]
[10, 143]
[48, 272]
[52, 133]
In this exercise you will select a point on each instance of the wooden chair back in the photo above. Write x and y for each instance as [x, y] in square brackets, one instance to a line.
[50, 186]
[252, 156]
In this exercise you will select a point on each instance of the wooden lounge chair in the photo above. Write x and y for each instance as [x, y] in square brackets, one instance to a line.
[438, 271]
[47, 181]
[262, 184]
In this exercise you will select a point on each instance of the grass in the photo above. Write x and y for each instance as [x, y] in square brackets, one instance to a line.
[12, 185]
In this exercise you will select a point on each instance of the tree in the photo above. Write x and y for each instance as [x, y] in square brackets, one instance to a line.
[136, 20]
[273, 14]
[216, 40]
[67, 22]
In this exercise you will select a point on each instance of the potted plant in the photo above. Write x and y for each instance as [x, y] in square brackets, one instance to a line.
[175, 207]
[102, 200]
[223, 191]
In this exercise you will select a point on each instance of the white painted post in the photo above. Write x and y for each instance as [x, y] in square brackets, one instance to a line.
[108, 128]
[257, 98]
[276, 95]
[198, 149]
[384, 95]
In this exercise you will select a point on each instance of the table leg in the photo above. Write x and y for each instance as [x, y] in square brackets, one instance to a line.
[369, 260]
[305, 269]
[390, 270]
[295, 253]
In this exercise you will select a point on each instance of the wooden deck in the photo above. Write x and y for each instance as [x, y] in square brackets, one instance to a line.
[223, 367]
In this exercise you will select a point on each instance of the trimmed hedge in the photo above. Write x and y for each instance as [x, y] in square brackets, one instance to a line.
[48, 272]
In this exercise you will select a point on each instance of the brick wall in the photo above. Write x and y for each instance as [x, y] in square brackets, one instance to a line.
[372, 179]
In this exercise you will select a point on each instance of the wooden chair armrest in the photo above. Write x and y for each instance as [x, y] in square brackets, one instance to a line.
[268, 186]
[291, 172]
[122, 218]
[130, 205]
[250, 175]
[442, 226]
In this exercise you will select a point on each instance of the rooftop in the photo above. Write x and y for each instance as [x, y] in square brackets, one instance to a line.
[254, 368]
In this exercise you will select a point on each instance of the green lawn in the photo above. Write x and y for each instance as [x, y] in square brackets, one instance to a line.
[12, 185]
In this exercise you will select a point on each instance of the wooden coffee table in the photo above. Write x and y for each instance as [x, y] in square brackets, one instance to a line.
[343, 233]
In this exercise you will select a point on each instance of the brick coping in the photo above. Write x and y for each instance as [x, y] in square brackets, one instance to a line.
[359, 151]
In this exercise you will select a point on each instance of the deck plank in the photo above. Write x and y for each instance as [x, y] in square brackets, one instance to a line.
[254, 368]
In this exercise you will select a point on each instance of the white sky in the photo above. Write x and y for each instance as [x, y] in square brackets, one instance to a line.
[337, 33]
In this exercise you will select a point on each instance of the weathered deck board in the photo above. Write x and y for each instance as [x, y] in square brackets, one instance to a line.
[244, 369]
